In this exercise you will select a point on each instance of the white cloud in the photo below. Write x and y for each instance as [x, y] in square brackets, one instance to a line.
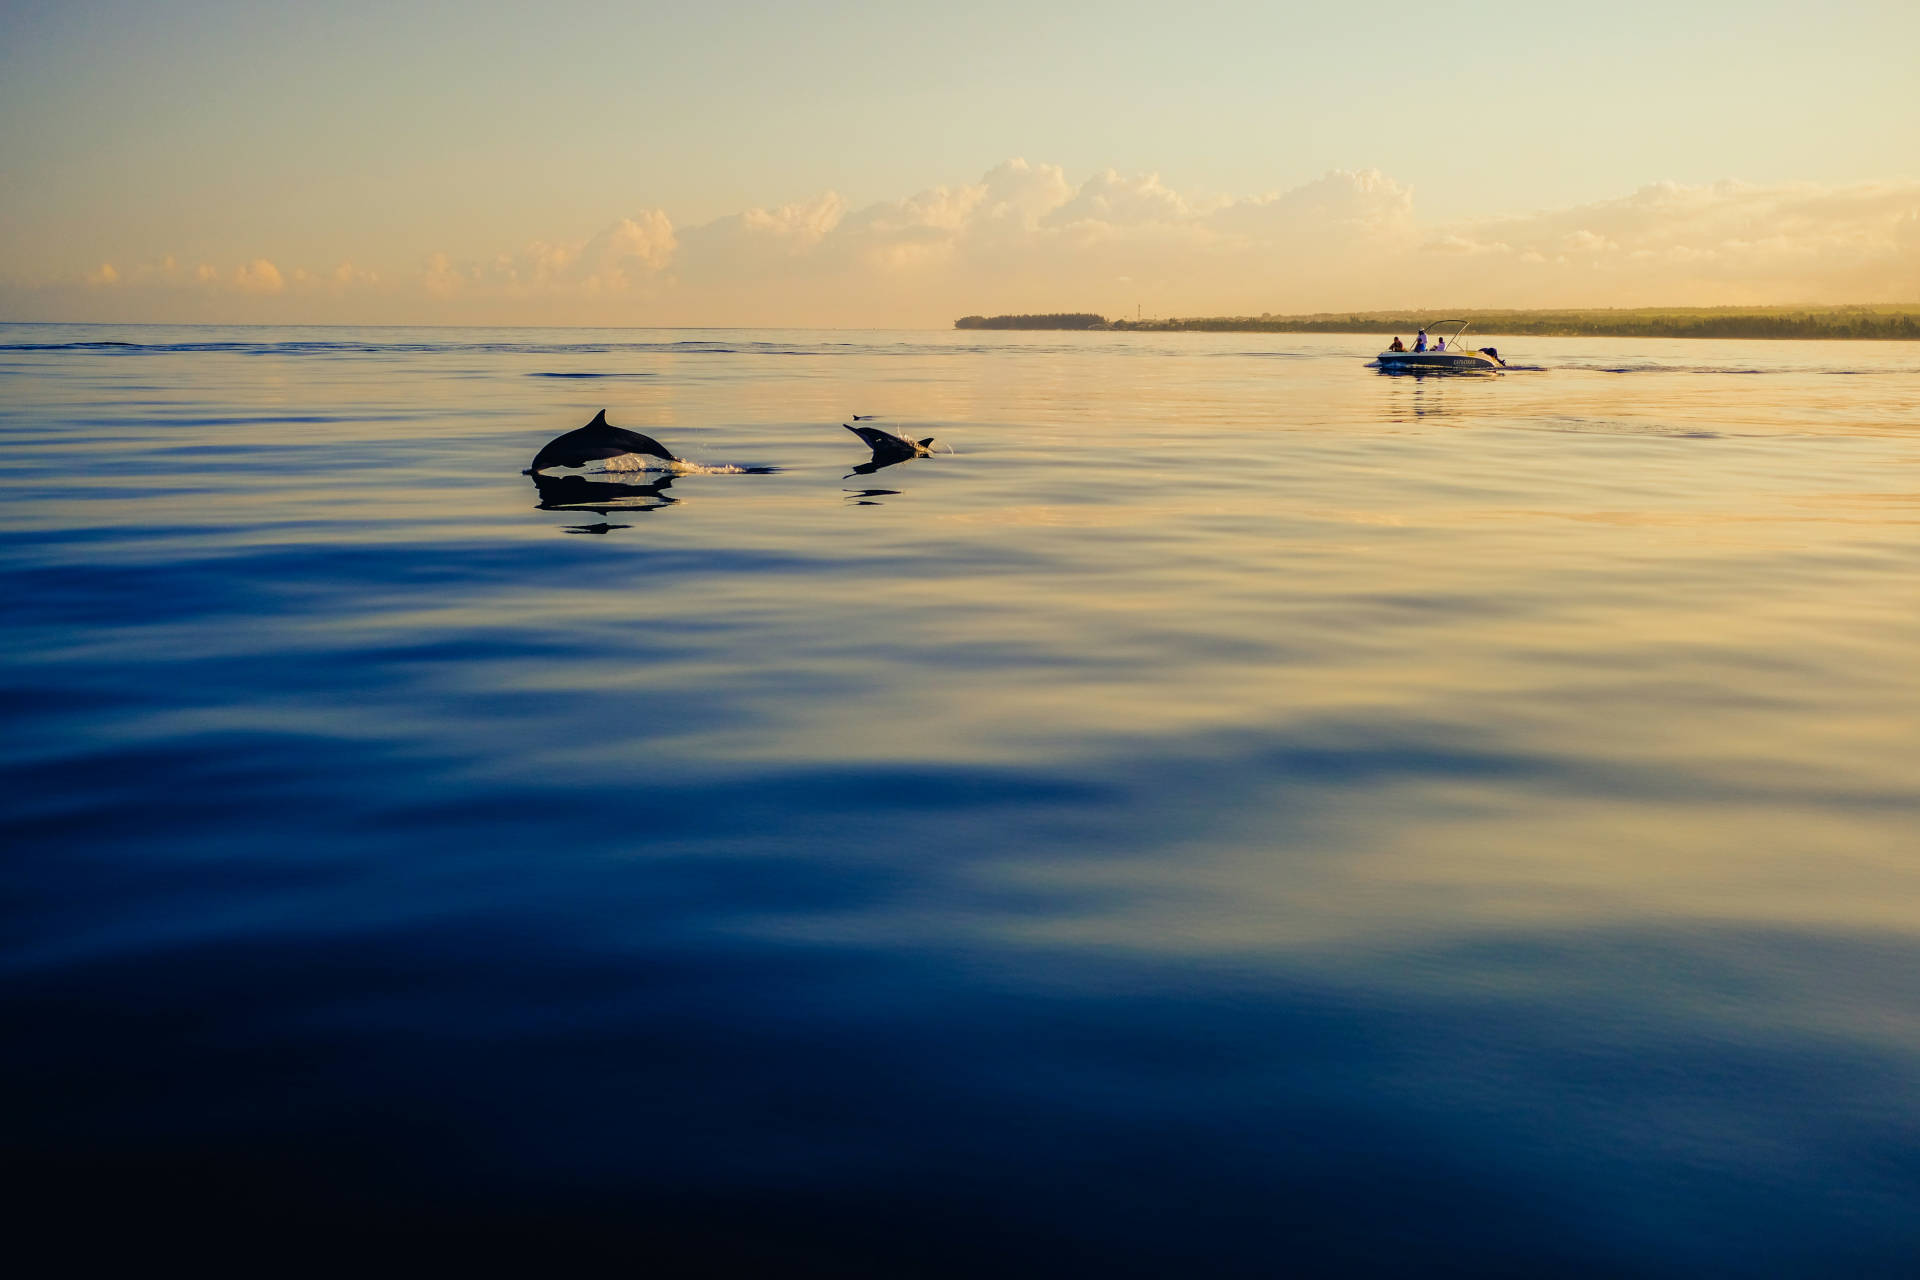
[1725, 242]
[1585, 241]
[1114, 201]
[341, 280]
[629, 250]
[1025, 238]
[623, 257]
[795, 227]
[1345, 204]
[1018, 194]
[258, 276]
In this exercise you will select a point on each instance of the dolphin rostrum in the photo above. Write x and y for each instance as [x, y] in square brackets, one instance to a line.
[594, 441]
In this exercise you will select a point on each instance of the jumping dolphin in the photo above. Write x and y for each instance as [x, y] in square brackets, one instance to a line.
[888, 447]
[594, 441]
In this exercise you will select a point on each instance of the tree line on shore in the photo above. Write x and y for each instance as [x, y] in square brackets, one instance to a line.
[1060, 320]
[1891, 322]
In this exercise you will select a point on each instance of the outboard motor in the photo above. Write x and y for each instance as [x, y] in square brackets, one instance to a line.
[1492, 354]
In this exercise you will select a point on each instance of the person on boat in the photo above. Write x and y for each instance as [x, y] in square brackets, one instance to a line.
[1420, 341]
[1397, 345]
[1439, 344]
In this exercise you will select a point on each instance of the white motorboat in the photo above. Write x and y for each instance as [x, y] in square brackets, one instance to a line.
[1444, 354]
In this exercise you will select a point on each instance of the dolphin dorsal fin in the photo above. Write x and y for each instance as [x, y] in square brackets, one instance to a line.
[599, 419]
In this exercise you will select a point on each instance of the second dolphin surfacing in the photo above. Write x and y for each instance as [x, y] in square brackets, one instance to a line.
[889, 448]
[593, 442]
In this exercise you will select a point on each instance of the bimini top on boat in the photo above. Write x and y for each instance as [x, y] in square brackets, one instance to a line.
[1448, 354]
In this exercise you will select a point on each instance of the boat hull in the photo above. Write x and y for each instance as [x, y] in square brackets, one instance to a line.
[1436, 362]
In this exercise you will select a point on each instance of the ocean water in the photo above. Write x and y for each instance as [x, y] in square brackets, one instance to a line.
[1228, 812]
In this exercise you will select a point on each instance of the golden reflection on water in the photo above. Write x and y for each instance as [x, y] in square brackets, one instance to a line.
[1225, 767]
[1673, 607]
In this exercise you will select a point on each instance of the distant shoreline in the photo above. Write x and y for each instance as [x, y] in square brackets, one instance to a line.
[1884, 323]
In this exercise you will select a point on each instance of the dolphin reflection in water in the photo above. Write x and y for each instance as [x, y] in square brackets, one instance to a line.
[601, 497]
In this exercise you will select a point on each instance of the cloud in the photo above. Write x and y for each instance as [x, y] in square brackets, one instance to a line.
[790, 229]
[340, 280]
[1345, 205]
[444, 280]
[258, 276]
[623, 257]
[1725, 242]
[1025, 238]
[1018, 195]
[1116, 202]
[629, 250]
[172, 290]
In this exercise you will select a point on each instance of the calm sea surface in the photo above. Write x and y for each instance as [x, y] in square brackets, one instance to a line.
[1235, 813]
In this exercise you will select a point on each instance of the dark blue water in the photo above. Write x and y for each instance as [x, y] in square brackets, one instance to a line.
[1233, 814]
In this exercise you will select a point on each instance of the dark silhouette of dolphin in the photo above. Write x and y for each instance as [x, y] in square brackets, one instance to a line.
[889, 448]
[865, 417]
[594, 441]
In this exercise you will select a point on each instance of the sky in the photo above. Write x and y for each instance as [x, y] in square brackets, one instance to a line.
[902, 164]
